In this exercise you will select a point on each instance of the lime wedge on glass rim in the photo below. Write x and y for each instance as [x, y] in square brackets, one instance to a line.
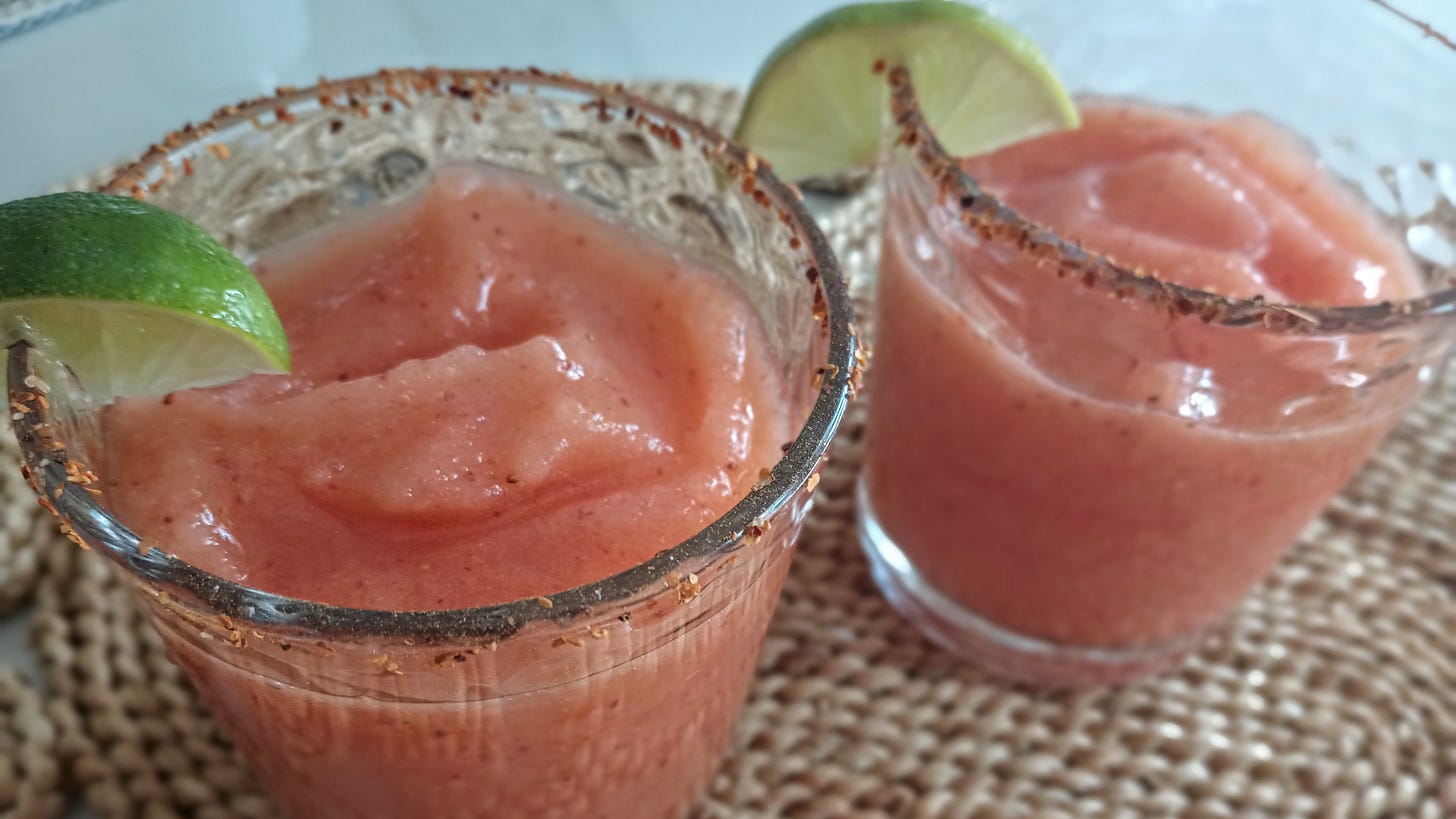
[135, 299]
[817, 107]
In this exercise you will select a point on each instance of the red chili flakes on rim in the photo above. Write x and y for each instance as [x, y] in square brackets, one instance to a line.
[688, 588]
[386, 665]
[67, 530]
[448, 656]
[756, 530]
[601, 106]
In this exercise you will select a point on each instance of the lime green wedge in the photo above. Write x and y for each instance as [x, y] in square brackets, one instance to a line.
[136, 299]
[816, 107]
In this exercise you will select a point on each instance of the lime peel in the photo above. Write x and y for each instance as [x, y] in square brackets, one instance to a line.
[135, 299]
[816, 107]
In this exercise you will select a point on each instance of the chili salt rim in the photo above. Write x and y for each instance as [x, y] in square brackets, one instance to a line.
[993, 220]
[50, 469]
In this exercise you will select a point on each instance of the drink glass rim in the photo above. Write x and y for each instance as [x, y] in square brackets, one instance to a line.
[992, 220]
[46, 460]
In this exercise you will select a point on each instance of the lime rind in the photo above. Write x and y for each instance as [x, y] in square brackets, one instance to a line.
[135, 299]
[817, 109]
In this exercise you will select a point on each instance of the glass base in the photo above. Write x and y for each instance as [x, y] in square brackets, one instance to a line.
[996, 649]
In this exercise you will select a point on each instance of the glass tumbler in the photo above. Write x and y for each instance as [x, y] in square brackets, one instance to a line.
[1075, 468]
[613, 699]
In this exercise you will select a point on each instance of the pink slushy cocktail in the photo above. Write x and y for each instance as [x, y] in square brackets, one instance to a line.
[1076, 484]
[506, 540]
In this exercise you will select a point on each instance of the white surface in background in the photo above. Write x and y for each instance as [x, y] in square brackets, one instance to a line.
[99, 86]
[102, 85]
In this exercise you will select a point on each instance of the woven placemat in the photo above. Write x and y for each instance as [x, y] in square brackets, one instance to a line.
[24, 532]
[1332, 693]
[30, 771]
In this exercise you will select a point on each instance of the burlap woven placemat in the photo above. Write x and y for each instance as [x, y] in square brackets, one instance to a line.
[30, 770]
[23, 534]
[1331, 694]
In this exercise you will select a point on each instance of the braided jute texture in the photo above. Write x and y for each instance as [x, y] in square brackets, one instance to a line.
[30, 771]
[1332, 693]
[24, 530]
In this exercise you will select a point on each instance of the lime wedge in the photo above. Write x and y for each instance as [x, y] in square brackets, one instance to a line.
[816, 107]
[136, 299]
